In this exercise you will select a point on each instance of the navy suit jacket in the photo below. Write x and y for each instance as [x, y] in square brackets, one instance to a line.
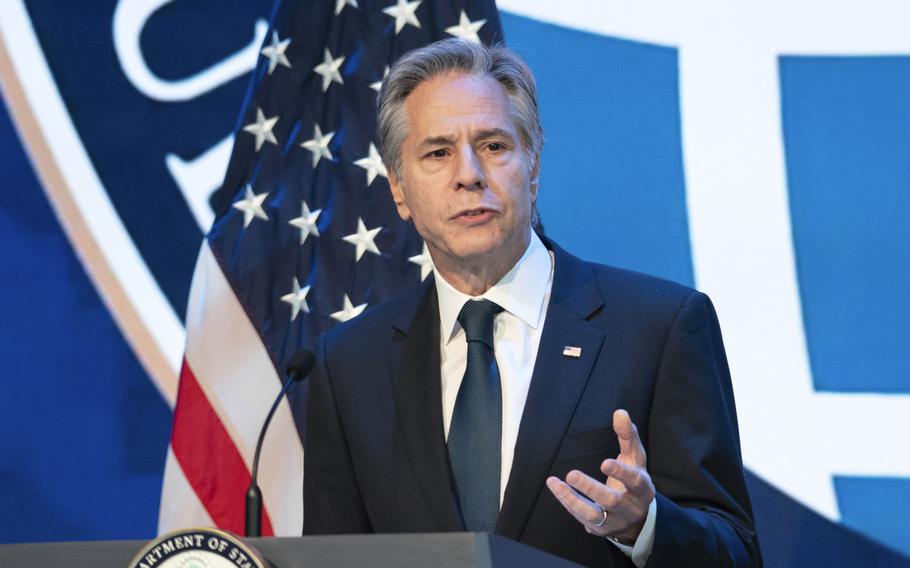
[376, 458]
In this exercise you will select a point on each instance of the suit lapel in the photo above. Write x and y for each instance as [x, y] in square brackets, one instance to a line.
[557, 384]
[415, 366]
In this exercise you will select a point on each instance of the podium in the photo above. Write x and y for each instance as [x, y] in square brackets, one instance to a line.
[440, 550]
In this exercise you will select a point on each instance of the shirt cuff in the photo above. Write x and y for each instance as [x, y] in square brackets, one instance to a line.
[641, 551]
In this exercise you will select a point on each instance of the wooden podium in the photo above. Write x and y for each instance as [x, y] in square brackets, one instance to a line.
[440, 550]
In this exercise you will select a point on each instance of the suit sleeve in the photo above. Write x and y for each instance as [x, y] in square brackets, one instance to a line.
[332, 502]
[704, 517]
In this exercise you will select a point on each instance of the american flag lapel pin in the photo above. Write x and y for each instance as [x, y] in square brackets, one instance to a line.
[571, 351]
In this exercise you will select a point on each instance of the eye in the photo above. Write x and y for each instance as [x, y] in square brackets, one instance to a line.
[437, 154]
[496, 146]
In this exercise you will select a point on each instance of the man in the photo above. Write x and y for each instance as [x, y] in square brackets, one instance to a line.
[504, 393]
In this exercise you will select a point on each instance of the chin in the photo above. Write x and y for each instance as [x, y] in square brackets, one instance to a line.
[478, 246]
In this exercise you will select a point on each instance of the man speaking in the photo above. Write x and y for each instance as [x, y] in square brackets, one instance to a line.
[577, 408]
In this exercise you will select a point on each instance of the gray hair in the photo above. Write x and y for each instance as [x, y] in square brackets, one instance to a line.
[454, 54]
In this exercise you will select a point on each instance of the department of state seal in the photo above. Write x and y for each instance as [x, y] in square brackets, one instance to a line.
[197, 548]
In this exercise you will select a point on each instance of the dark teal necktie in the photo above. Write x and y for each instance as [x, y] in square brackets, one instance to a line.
[475, 432]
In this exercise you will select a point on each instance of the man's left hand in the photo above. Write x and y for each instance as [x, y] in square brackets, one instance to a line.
[625, 496]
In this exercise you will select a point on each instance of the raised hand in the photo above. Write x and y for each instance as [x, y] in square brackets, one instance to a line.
[618, 507]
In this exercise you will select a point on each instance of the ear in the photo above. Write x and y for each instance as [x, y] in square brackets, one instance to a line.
[535, 179]
[398, 196]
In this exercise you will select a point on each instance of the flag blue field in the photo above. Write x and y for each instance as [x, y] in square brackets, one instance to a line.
[759, 156]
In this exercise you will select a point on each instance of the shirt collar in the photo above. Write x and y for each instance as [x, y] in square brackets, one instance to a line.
[520, 292]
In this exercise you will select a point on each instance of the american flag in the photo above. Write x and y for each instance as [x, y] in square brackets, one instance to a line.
[305, 236]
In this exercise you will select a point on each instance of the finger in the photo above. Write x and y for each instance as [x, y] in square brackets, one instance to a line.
[578, 506]
[606, 497]
[634, 479]
[630, 446]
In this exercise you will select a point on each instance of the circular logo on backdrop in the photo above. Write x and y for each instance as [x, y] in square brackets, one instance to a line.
[197, 548]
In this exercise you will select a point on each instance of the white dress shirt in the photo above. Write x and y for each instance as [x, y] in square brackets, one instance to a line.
[524, 294]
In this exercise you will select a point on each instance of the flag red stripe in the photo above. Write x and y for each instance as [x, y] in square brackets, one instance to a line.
[210, 460]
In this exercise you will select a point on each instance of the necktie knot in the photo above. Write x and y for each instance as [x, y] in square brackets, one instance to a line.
[476, 318]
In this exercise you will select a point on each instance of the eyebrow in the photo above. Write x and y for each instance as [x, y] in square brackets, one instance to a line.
[449, 140]
[493, 133]
[437, 141]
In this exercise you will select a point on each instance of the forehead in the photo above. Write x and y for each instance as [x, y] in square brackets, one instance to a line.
[458, 100]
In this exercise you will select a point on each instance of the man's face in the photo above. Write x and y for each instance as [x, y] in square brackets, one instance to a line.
[466, 180]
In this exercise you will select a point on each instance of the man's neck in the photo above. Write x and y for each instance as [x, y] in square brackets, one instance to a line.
[475, 276]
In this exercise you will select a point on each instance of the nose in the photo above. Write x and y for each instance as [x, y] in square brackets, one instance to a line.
[469, 172]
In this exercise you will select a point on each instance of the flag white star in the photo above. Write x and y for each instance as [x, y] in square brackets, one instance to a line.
[373, 165]
[297, 299]
[329, 70]
[424, 261]
[306, 222]
[403, 12]
[349, 311]
[319, 145]
[275, 52]
[377, 86]
[466, 29]
[340, 4]
[363, 239]
[251, 205]
[262, 129]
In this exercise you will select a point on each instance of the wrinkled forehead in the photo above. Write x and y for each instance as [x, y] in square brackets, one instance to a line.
[459, 100]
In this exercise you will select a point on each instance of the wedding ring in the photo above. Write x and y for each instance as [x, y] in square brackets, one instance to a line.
[602, 520]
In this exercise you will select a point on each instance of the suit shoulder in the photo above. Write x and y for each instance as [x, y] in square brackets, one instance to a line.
[644, 291]
[375, 320]
[618, 284]
[612, 277]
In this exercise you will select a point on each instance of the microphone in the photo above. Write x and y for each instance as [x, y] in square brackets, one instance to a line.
[300, 366]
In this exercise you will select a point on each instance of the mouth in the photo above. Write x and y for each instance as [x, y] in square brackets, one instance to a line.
[476, 214]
